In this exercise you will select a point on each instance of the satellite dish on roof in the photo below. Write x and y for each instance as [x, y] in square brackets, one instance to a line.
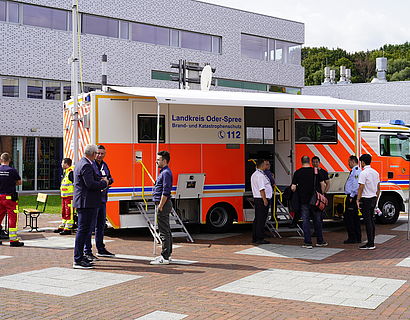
[206, 78]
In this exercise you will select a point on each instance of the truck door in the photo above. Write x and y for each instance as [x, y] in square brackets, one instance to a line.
[259, 141]
[283, 146]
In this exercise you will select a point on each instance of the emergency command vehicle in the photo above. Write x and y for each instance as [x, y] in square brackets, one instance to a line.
[211, 137]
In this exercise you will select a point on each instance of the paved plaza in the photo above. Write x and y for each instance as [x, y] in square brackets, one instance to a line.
[217, 277]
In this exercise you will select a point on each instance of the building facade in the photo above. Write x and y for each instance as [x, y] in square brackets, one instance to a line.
[140, 38]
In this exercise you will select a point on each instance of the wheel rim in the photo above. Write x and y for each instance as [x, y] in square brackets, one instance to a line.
[218, 217]
[389, 209]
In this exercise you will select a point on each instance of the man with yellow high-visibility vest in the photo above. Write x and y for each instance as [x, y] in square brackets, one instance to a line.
[9, 179]
[67, 193]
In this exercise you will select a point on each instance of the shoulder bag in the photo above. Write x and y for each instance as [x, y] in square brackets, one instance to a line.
[318, 200]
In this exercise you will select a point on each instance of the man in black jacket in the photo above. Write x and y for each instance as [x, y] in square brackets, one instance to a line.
[87, 198]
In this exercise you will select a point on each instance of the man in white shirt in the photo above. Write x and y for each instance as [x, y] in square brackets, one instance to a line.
[367, 195]
[262, 194]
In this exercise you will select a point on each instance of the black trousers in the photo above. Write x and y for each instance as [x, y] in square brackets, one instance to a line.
[352, 220]
[261, 214]
[165, 229]
[367, 206]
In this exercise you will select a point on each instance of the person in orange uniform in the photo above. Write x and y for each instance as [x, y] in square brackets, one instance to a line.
[67, 192]
[9, 179]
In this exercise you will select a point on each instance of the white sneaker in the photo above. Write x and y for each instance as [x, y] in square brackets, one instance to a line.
[159, 260]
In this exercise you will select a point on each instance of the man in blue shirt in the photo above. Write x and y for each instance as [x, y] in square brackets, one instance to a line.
[351, 214]
[161, 195]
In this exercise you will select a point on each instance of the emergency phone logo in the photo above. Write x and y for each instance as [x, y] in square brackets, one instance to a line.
[221, 134]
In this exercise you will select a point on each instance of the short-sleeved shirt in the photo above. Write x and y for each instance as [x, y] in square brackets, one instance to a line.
[303, 178]
[163, 185]
[370, 179]
[260, 181]
[324, 174]
[8, 178]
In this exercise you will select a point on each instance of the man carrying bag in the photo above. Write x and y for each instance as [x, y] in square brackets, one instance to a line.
[308, 186]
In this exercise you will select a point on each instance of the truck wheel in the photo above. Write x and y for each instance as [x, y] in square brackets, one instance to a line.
[219, 219]
[390, 209]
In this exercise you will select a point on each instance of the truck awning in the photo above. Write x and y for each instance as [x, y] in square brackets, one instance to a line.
[251, 99]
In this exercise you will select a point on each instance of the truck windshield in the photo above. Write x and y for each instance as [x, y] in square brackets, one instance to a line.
[391, 145]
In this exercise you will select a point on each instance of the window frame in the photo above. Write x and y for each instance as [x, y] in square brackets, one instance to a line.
[390, 135]
[317, 121]
[162, 123]
[263, 141]
[18, 87]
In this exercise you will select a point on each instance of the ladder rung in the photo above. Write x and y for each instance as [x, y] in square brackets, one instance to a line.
[179, 234]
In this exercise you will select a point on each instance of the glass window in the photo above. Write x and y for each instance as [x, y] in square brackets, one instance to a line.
[268, 136]
[162, 75]
[10, 87]
[254, 135]
[44, 17]
[316, 131]
[254, 47]
[295, 54]
[91, 87]
[124, 30]
[271, 50]
[66, 91]
[147, 128]
[53, 90]
[394, 147]
[99, 25]
[13, 12]
[280, 51]
[174, 38]
[216, 44]
[2, 10]
[198, 41]
[35, 89]
[150, 34]
[28, 149]
[50, 153]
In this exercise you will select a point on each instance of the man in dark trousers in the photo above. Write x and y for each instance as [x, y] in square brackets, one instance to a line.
[99, 223]
[305, 181]
[9, 179]
[161, 195]
[87, 199]
[351, 214]
[262, 195]
[369, 191]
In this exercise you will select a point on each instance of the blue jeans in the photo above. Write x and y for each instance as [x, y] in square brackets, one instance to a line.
[98, 226]
[86, 216]
[306, 211]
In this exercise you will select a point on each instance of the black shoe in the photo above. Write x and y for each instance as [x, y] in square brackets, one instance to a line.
[105, 253]
[367, 247]
[16, 244]
[1, 242]
[65, 232]
[3, 235]
[90, 257]
[348, 241]
[83, 264]
[58, 230]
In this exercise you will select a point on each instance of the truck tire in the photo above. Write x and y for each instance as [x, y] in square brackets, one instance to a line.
[219, 218]
[390, 209]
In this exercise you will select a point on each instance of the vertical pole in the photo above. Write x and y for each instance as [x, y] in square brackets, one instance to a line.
[104, 70]
[74, 77]
[156, 172]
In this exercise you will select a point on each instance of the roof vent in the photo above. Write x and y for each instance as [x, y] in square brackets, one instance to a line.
[381, 68]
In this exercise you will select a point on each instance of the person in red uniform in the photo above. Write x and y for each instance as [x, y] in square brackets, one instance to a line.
[9, 179]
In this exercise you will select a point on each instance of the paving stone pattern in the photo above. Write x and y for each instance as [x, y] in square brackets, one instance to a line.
[162, 315]
[286, 251]
[337, 289]
[128, 287]
[62, 281]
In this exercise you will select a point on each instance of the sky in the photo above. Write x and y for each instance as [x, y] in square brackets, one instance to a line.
[352, 25]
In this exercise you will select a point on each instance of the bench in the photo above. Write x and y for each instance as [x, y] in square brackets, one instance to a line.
[33, 214]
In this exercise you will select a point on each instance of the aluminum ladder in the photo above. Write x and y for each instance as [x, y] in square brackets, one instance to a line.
[178, 229]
